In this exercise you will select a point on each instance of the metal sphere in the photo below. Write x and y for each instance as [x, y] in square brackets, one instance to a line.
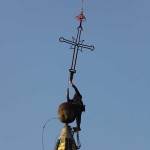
[67, 112]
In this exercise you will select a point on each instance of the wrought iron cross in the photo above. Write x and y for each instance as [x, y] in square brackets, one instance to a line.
[77, 44]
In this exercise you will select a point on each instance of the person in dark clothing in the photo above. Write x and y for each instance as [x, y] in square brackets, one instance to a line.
[79, 106]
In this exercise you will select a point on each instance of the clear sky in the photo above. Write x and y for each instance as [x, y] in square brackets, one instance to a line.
[114, 79]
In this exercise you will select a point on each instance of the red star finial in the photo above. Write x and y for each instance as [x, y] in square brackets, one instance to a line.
[81, 16]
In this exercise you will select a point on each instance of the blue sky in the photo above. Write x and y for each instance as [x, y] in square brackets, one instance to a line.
[113, 79]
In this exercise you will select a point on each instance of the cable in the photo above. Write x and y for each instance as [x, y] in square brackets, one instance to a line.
[82, 4]
[43, 131]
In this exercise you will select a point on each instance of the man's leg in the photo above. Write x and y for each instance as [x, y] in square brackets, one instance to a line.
[78, 121]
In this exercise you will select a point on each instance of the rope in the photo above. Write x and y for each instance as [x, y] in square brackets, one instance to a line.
[43, 131]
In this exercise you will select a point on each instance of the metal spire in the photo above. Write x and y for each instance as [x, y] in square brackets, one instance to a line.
[66, 140]
[73, 108]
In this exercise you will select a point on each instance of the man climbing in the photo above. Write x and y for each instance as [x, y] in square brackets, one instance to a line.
[78, 104]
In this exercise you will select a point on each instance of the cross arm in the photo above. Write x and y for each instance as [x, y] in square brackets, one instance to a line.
[62, 39]
[87, 46]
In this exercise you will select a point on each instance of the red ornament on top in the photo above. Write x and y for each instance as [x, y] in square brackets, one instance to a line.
[81, 16]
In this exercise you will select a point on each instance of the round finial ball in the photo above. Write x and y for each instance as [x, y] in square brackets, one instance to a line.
[67, 112]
